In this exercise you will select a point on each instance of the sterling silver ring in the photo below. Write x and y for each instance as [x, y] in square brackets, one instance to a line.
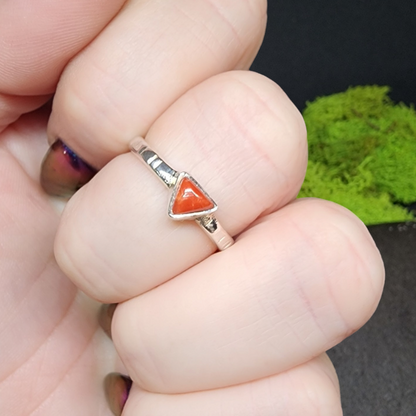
[188, 200]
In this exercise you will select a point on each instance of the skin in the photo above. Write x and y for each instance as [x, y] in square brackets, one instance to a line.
[241, 332]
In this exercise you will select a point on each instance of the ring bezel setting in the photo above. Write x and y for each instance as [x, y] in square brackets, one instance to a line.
[187, 191]
[188, 200]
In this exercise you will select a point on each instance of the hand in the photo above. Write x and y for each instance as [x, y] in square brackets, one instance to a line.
[240, 332]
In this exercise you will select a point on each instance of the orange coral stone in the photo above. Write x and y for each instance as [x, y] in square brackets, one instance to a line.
[190, 198]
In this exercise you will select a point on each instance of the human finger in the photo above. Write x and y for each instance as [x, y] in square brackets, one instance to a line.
[293, 285]
[38, 40]
[147, 57]
[310, 389]
[237, 133]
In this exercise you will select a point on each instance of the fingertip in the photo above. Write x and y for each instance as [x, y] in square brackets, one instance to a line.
[354, 266]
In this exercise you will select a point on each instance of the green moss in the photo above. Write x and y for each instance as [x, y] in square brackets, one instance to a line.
[362, 150]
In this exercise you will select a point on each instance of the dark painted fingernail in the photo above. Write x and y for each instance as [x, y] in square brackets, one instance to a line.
[63, 172]
[117, 388]
[105, 316]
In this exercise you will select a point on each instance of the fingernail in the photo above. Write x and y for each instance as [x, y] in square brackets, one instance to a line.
[117, 388]
[63, 172]
[105, 316]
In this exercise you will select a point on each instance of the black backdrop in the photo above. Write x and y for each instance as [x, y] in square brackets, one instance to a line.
[319, 47]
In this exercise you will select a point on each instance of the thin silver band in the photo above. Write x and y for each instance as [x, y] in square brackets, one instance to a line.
[170, 177]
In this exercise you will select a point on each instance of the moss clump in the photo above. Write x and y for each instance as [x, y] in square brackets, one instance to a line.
[362, 153]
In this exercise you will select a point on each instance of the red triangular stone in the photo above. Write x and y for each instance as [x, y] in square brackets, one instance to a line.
[189, 199]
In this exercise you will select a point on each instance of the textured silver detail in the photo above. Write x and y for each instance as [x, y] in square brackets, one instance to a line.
[215, 232]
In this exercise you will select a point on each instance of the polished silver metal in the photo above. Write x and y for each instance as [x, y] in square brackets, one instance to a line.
[163, 171]
[172, 179]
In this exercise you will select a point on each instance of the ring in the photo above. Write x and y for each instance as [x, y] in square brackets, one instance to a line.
[188, 200]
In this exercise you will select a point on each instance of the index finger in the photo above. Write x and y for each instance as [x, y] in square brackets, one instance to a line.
[149, 56]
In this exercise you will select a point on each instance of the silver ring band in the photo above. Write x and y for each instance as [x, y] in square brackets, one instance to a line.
[188, 200]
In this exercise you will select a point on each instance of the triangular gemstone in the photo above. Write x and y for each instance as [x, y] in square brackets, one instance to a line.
[190, 199]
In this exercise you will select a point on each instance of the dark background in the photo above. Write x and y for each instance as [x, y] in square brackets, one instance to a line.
[319, 47]
[377, 365]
